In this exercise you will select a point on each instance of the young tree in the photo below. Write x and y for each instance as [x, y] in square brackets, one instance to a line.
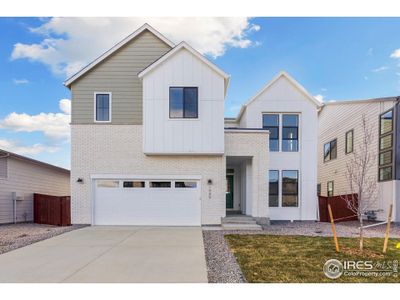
[359, 177]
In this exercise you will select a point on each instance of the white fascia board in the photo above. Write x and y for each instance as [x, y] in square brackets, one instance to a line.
[196, 54]
[109, 52]
[297, 85]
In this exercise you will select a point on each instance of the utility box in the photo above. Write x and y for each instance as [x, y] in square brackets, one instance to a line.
[16, 196]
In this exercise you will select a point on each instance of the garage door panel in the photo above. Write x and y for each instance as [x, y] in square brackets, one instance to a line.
[147, 206]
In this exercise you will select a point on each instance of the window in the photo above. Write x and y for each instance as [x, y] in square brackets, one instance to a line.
[271, 123]
[3, 167]
[102, 107]
[349, 141]
[330, 150]
[319, 189]
[183, 102]
[133, 184]
[330, 188]
[108, 183]
[386, 146]
[160, 184]
[185, 184]
[290, 188]
[273, 188]
[290, 131]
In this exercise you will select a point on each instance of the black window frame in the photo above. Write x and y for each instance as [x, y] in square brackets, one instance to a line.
[330, 150]
[272, 127]
[346, 143]
[291, 127]
[391, 133]
[319, 189]
[333, 188]
[290, 194]
[183, 103]
[269, 189]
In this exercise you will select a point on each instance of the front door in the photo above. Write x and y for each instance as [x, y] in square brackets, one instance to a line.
[229, 191]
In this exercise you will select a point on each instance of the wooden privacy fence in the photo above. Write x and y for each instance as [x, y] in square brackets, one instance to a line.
[52, 210]
[339, 208]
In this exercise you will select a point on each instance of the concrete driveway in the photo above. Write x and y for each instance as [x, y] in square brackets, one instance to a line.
[111, 254]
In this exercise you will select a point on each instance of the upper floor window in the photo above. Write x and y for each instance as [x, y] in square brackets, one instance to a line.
[349, 141]
[183, 102]
[290, 132]
[271, 123]
[330, 150]
[3, 166]
[386, 146]
[102, 107]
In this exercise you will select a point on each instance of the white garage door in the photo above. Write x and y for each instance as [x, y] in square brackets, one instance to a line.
[147, 202]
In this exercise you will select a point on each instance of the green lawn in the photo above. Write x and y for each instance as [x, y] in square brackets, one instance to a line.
[269, 258]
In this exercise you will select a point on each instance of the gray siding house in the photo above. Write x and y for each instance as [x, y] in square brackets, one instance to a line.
[20, 178]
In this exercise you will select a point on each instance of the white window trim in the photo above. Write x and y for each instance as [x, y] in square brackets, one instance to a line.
[94, 107]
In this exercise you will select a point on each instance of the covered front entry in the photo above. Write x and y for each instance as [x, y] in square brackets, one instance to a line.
[238, 189]
[143, 201]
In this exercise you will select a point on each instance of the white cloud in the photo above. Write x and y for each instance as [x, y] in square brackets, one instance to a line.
[380, 69]
[70, 43]
[54, 126]
[319, 97]
[370, 51]
[395, 53]
[20, 81]
[324, 89]
[365, 77]
[15, 147]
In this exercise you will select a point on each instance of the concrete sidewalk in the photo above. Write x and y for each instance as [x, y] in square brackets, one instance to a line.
[111, 254]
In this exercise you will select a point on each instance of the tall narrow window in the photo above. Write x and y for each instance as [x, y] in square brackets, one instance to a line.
[330, 188]
[183, 102]
[273, 188]
[386, 146]
[319, 189]
[290, 188]
[349, 141]
[290, 132]
[271, 123]
[103, 107]
[330, 150]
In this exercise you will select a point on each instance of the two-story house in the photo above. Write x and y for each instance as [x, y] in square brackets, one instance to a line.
[341, 134]
[150, 145]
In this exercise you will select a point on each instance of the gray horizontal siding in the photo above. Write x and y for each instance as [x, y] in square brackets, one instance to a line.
[28, 178]
[118, 75]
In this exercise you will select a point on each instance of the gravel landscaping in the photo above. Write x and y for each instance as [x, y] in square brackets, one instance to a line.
[15, 236]
[222, 266]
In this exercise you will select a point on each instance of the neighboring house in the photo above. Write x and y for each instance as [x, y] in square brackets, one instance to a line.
[20, 178]
[150, 147]
[340, 133]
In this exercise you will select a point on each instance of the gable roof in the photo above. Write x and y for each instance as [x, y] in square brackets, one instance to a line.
[292, 81]
[184, 45]
[4, 154]
[117, 46]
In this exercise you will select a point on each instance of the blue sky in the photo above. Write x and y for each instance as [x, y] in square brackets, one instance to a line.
[336, 58]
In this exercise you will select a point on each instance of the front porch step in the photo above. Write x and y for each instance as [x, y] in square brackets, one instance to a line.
[240, 222]
[236, 226]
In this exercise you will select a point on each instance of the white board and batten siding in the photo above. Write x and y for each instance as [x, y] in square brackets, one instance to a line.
[26, 178]
[283, 97]
[204, 135]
